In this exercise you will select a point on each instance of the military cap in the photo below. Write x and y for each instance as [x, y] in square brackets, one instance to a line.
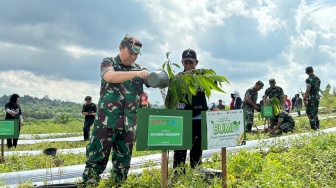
[272, 81]
[88, 98]
[309, 69]
[133, 44]
[259, 82]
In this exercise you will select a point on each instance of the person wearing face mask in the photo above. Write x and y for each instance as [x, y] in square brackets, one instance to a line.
[115, 122]
[13, 111]
[198, 104]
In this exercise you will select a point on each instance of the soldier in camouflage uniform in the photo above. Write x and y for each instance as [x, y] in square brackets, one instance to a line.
[250, 104]
[115, 122]
[275, 91]
[312, 97]
[283, 122]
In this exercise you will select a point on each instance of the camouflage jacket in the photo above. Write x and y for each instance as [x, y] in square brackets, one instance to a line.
[276, 92]
[118, 102]
[285, 116]
[253, 94]
[314, 82]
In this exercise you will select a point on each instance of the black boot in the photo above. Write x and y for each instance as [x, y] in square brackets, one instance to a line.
[299, 113]
[248, 128]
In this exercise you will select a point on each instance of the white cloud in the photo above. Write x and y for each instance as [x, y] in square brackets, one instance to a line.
[78, 51]
[26, 83]
[245, 41]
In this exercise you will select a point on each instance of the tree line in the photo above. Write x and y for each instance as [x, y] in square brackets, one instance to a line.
[44, 108]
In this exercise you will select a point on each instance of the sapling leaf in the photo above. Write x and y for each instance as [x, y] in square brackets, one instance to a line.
[177, 65]
[167, 55]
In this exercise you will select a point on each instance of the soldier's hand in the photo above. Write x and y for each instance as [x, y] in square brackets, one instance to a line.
[284, 106]
[256, 108]
[142, 74]
[305, 102]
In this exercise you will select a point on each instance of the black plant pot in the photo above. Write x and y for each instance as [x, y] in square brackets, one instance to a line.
[50, 152]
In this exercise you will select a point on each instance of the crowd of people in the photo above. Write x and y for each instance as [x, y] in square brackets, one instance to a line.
[121, 94]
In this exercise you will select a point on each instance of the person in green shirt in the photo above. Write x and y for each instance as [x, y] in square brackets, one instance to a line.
[115, 123]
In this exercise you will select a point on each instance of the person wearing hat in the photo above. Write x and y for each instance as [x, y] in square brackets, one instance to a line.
[250, 104]
[115, 122]
[13, 111]
[275, 91]
[312, 98]
[198, 104]
[89, 110]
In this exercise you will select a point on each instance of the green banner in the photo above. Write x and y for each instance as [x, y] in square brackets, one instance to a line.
[9, 128]
[165, 130]
[267, 112]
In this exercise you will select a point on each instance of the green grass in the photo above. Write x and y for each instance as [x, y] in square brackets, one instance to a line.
[301, 126]
[310, 162]
[47, 127]
[45, 145]
[15, 163]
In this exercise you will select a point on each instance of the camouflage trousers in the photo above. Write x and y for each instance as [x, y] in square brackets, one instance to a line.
[312, 111]
[249, 118]
[287, 127]
[98, 152]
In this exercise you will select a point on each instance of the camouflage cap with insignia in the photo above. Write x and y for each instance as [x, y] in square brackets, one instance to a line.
[259, 82]
[133, 44]
[309, 69]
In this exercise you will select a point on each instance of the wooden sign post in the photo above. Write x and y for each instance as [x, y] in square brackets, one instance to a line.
[8, 129]
[221, 129]
[224, 185]
[164, 170]
[163, 129]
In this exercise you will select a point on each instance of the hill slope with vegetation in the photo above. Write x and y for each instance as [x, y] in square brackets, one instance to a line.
[44, 108]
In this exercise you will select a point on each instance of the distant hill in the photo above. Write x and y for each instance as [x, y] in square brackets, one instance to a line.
[43, 108]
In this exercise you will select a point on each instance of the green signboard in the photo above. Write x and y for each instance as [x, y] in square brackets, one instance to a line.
[9, 128]
[267, 112]
[163, 129]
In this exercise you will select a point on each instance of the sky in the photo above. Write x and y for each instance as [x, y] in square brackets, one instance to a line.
[54, 48]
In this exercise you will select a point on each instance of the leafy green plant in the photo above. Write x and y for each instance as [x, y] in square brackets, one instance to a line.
[189, 82]
[275, 103]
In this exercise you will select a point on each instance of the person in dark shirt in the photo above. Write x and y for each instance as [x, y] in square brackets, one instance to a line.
[220, 106]
[89, 110]
[13, 111]
[198, 104]
[293, 102]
